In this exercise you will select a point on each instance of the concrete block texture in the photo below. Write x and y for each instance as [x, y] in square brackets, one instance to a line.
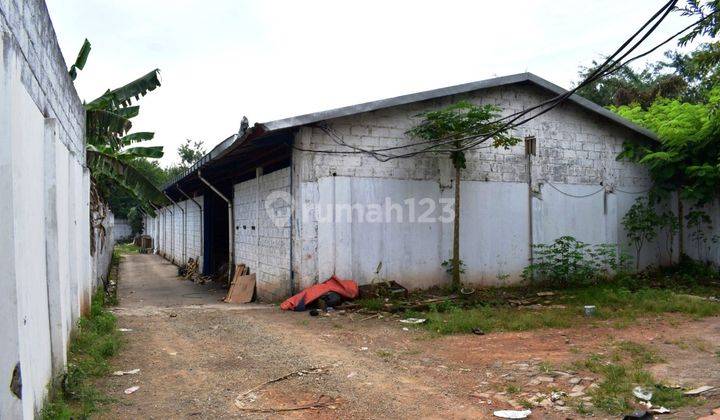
[262, 231]
[177, 231]
[578, 188]
[45, 213]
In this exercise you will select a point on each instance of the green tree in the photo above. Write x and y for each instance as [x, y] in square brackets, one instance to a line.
[449, 127]
[687, 157]
[112, 150]
[627, 86]
[189, 153]
[641, 223]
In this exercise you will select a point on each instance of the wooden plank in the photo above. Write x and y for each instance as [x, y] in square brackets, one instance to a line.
[242, 289]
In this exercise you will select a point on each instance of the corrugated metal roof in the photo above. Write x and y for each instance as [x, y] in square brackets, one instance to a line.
[301, 120]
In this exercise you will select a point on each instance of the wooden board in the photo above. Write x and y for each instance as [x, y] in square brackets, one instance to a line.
[242, 289]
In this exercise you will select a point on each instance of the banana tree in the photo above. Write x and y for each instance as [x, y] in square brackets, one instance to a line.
[111, 149]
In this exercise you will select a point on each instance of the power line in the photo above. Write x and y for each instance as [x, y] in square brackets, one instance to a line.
[608, 67]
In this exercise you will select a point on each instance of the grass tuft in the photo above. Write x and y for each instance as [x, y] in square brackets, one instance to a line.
[617, 304]
[622, 370]
[94, 342]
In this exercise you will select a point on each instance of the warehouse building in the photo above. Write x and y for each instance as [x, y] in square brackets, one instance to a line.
[294, 201]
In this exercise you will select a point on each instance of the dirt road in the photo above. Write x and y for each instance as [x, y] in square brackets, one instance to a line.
[196, 355]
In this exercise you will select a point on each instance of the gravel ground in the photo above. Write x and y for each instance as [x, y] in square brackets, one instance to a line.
[196, 355]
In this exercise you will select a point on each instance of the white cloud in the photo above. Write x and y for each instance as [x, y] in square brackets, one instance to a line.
[222, 59]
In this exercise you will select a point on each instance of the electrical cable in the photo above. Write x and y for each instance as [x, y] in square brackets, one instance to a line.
[573, 195]
[599, 72]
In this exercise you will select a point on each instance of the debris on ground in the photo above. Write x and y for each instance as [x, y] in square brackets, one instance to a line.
[697, 391]
[639, 415]
[323, 401]
[124, 329]
[512, 414]
[642, 393]
[478, 331]
[126, 372]
[383, 288]
[589, 310]
[131, 390]
[413, 320]
[543, 294]
[659, 410]
[348, 289]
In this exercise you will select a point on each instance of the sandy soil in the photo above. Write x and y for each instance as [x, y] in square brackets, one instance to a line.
[197, 355]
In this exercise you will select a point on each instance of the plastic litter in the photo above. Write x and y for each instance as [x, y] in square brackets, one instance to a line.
[413, 320]
[512, 414]
[124, 329]
[590, 310]
[478, 331]
[126, 372]
[131, 390]
[642, 393]
[659, 410]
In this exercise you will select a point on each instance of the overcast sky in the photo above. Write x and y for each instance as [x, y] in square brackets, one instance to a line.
[222, 59]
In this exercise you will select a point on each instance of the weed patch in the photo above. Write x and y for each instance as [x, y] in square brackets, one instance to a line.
[621, 371]
[94, 342]
[127, 248]
[565, 309]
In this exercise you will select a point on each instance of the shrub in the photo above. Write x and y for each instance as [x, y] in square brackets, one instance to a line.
[568, 261]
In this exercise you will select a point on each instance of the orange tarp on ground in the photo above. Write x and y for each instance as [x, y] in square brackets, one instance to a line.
[345, 288]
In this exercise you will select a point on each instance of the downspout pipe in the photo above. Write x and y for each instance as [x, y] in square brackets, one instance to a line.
[231, 221]
[157, 227]
[184, 257]
[172, 232]
[199, 208]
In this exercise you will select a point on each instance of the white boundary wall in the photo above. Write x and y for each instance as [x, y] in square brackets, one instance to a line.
[122, 231]
[49, 273]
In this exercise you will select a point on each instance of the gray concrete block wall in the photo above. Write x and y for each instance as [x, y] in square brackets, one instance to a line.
[50, 274]
[169, 239]
[43, 69]
[262, 234]
[194, 229]
[575, 148]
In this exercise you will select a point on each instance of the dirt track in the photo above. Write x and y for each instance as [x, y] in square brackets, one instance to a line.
[196, 355]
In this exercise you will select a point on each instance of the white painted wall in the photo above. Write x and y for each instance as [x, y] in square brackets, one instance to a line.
[122, 231]
[48, 272]
[576, 153]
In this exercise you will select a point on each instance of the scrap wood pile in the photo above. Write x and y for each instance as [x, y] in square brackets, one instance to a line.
[191, 271]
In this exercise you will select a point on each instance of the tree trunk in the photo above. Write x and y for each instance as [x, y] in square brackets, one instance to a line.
[681, 228]
[456, 234]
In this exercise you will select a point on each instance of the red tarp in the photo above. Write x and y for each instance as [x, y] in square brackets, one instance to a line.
[345, 288]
